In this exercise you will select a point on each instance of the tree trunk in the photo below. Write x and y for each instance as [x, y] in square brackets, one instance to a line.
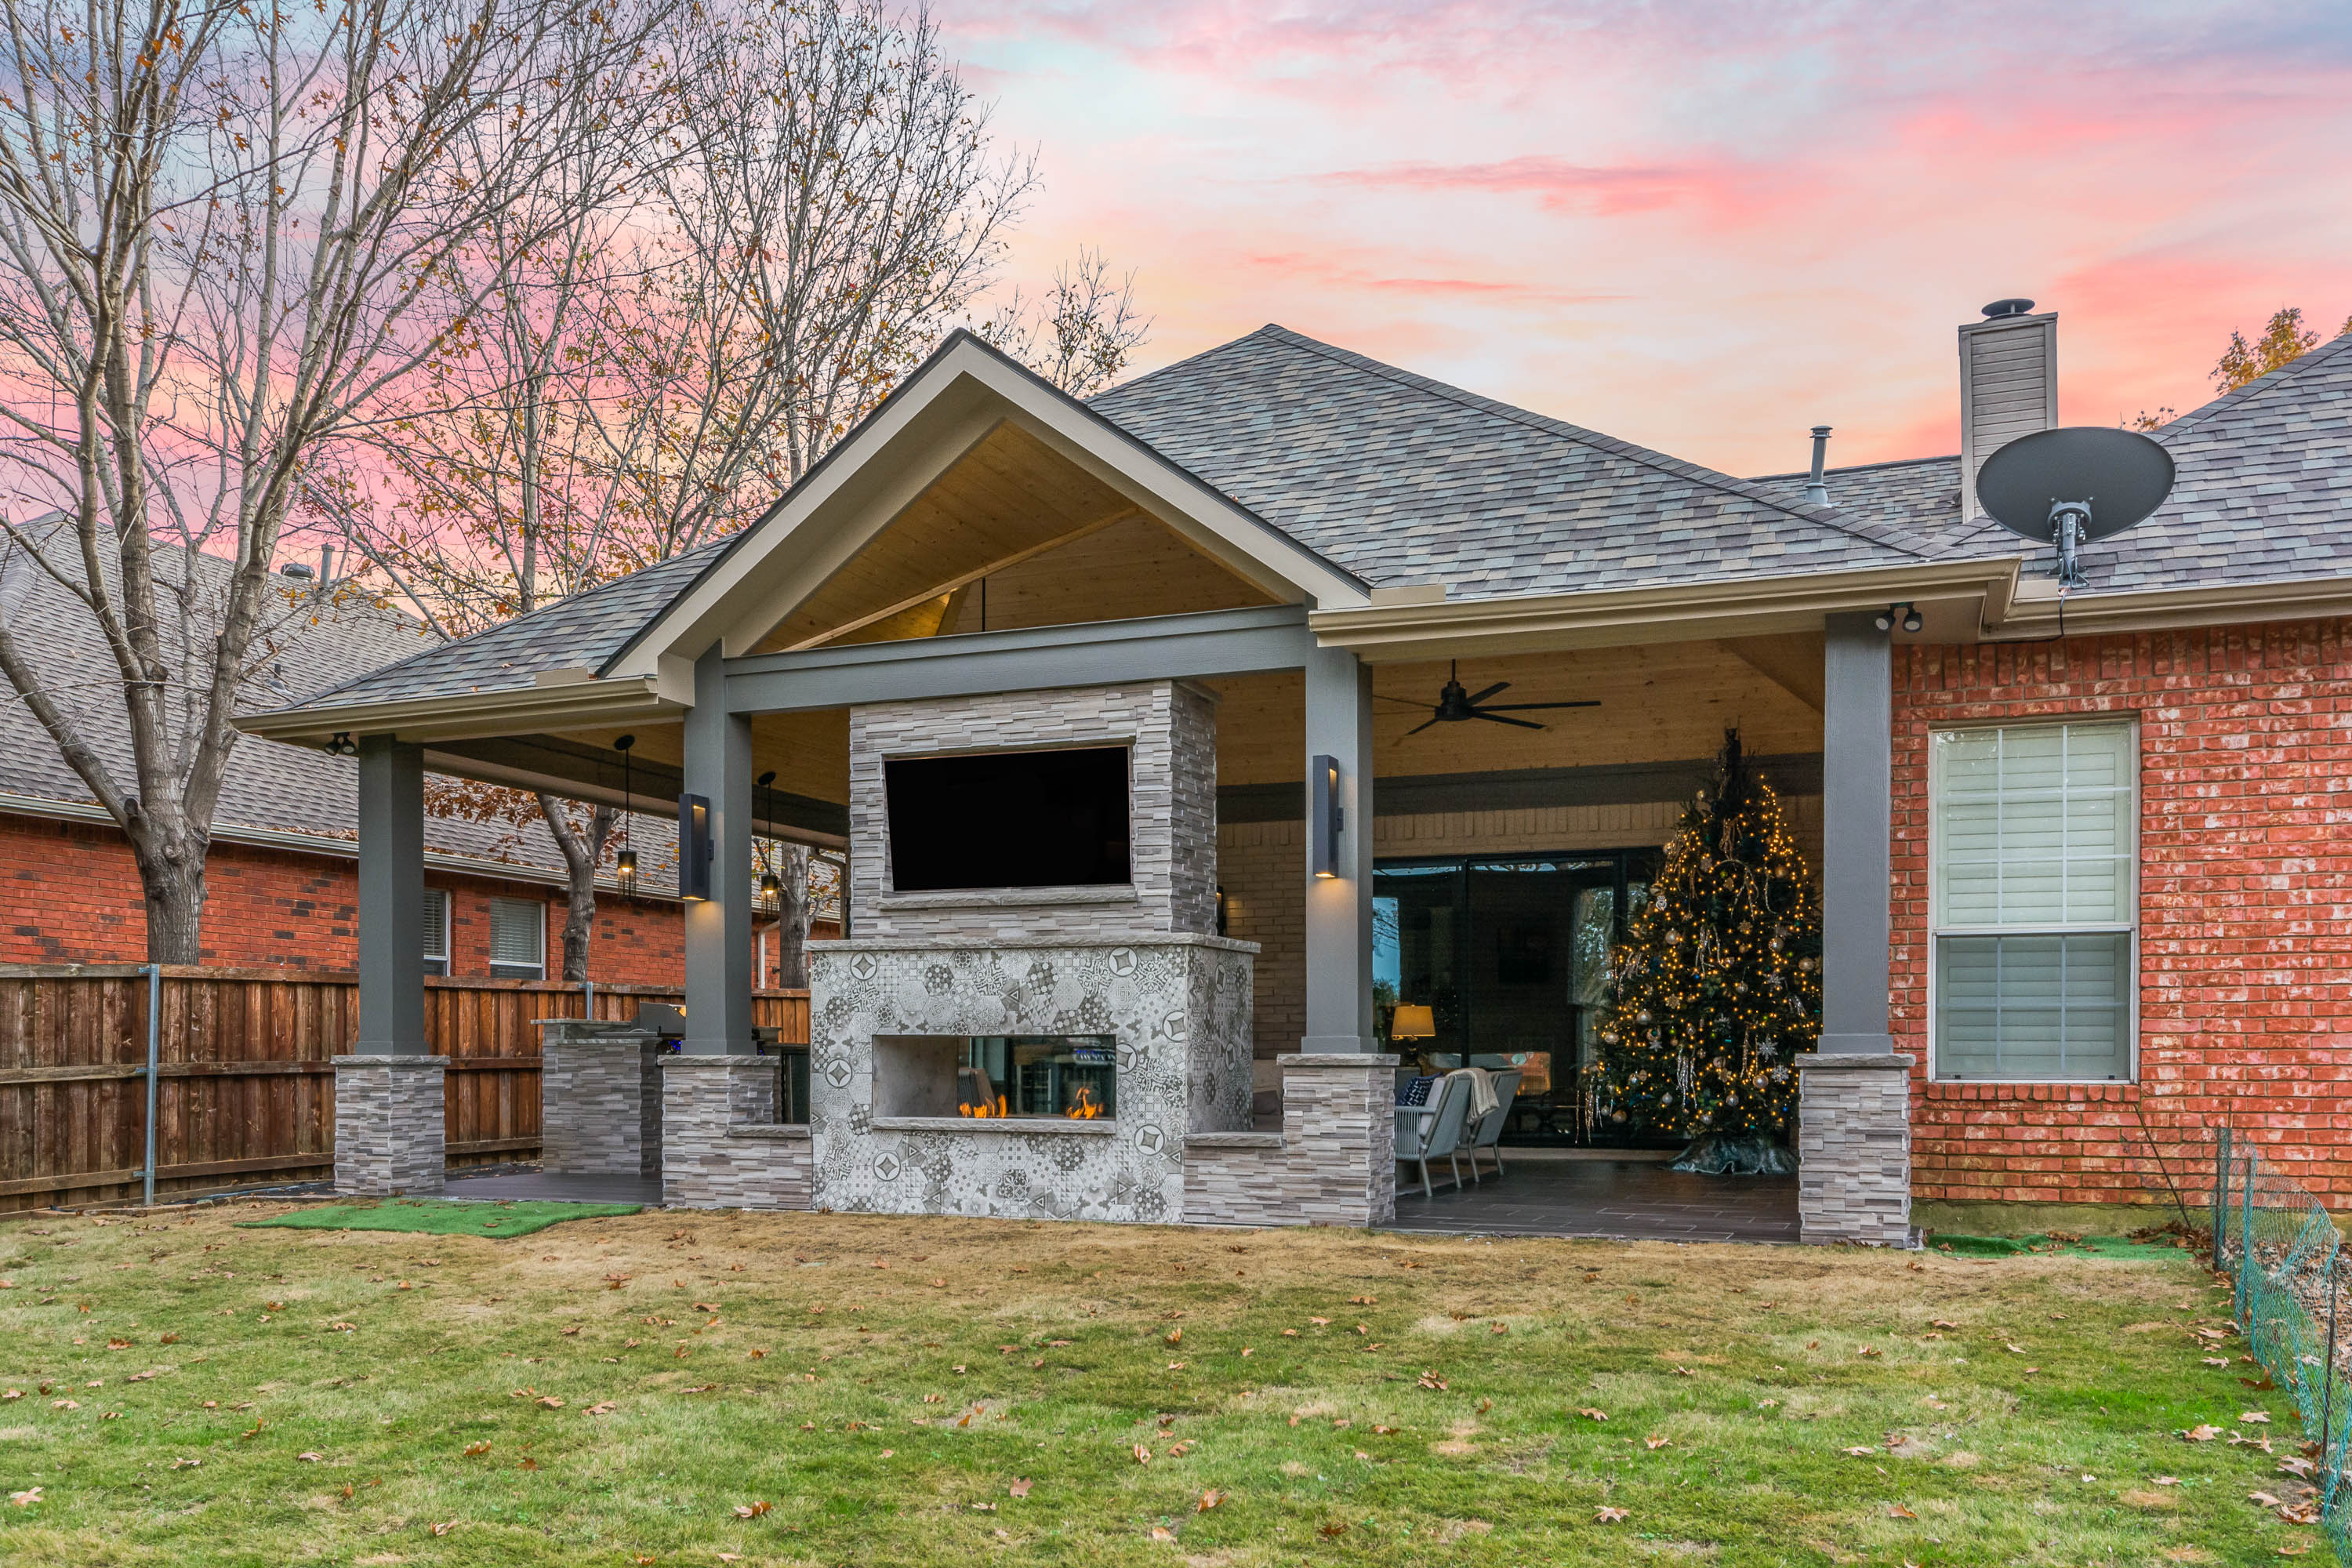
[584, 852]
[792, 918]
[174, 889]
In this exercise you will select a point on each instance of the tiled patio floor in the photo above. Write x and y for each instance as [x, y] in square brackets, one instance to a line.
[1623, 1199]
[1631, 1200]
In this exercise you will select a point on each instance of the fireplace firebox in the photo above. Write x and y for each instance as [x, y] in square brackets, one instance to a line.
[1011, 1077]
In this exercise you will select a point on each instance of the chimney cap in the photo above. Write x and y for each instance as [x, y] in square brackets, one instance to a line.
[2000, 308]
[295, 569]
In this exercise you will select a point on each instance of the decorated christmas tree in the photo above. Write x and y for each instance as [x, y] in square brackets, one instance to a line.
[1718, 983]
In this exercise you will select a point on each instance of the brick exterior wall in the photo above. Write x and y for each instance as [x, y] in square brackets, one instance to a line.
[70, 893]
[2245, 966]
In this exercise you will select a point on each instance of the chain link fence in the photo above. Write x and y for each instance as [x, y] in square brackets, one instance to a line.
[2292, 1289]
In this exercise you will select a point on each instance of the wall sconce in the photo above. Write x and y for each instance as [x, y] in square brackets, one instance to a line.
[694, 847]
[1325, 816]
[1413, 1021]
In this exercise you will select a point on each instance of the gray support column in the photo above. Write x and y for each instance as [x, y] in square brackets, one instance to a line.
[1339, 907]
[1857, 820]
[718, 929]
[391, 898]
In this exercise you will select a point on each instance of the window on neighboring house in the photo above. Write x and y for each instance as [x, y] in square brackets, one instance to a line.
[518, 939]
[2034, 901]
[437, 931]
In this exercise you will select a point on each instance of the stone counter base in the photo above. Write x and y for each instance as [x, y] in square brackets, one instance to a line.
[721, 1145]
[1334, 1162]
[600, 1099]
[1854, 1148]
[389, 1131]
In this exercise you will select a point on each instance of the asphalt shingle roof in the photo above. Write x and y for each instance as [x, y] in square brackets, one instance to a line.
[1403, 479]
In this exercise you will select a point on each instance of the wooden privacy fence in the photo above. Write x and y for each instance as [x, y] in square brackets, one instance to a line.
[244, 1088]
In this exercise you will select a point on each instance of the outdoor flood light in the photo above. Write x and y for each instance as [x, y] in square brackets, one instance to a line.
[1325, 816]
[694, 847]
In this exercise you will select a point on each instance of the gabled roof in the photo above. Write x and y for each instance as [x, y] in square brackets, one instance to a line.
[1405, 480]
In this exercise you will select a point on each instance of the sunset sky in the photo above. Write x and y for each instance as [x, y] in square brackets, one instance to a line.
[1702, 227]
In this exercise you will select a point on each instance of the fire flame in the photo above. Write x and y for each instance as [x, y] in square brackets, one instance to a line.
[984, 1108]
[1085, 1108]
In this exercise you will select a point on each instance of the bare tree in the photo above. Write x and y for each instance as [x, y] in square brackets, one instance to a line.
[1084, 333]
[827, 200]
[215, 223]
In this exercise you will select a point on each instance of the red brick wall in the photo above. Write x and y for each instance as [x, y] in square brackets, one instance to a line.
[2245, 906]
[69, 894]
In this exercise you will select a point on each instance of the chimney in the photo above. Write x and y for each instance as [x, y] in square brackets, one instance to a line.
[2008, 384]
[1817, 492]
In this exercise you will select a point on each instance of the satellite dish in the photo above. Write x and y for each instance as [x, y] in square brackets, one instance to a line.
[2069, 486]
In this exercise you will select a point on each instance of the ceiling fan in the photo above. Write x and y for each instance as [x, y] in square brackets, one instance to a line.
[1455, 705]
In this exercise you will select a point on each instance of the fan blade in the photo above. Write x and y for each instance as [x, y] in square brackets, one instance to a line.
[1521, 707]
[1477, 697]
[1417, 729]
[1419, 703]
[1498, 718]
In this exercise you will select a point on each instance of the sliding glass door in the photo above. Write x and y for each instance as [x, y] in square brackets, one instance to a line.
[1510, 956]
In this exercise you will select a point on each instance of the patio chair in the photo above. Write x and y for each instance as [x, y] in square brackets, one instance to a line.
[1425, 1131]
[1488, 1133]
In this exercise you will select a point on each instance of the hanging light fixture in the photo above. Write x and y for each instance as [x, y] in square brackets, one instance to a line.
[772, 886]
[625, 864]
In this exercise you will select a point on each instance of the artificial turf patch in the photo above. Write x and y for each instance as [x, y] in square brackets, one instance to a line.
[442, 1216]
[2010, 1246]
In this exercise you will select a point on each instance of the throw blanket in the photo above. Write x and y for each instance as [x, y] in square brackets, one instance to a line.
[1483, 1097]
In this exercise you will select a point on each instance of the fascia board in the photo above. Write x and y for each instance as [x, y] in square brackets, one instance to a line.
[522, 710]
[2169, 609]
[1670, 613]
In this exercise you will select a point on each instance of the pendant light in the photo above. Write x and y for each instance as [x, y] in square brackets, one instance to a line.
[772, 886]
[625, 864]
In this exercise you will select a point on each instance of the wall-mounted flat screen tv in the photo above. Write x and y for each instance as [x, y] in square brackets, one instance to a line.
[1008, 819]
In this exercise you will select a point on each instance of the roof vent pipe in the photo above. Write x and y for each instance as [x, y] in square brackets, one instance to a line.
[1816, 492]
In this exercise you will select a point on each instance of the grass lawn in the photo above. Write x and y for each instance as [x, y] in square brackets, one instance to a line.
[896, 1391]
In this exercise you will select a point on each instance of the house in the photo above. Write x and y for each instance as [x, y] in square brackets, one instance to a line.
[281, 878]
[2076, 852]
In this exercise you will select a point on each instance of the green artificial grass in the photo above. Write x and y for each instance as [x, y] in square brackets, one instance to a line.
[807, 1391]
[441, 1216]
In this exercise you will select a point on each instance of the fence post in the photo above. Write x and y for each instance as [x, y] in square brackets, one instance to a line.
[2245, 1292]
[588, 1000]
[2220, 1191]
[154, 1042]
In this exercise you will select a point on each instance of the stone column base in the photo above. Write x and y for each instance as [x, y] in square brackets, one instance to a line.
[1334, 1162]
[1854, 1148]
[600, 1099]
[389, 1131]
[721, 1144]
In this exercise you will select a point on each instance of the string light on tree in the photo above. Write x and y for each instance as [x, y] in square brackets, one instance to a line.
[1717, 985]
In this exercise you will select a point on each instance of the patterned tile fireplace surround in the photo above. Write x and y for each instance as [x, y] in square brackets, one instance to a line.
[1134, 970]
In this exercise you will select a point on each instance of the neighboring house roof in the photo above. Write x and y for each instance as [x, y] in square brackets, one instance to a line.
[1403, 479]
[271, 792]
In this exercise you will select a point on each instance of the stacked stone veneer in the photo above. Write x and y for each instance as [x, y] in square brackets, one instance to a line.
[1334, 1162]
[1854, 1148]
[1176, 1006]
[600, 1099]
[1171, 731]
[390, 1123]
[722, 1145]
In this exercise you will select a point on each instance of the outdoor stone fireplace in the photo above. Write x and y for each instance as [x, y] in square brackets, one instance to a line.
[1031, 1051]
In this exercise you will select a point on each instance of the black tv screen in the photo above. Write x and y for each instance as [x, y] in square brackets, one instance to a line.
[1008, 819]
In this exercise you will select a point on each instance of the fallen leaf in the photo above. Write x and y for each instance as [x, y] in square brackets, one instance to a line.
[1430, 1380]
[1654, 1442]
[549, 1402]
[1941, 1323]
[1611, 1515]
[1161, 1532]
[2217, 1361]
[1142, 1455]
[2201, 1434]
[445, 1527]
[310, 1459]
[1020, 1487]
[1766, 1403]
[2015, 1350]
[1209, 1499]
[2166, 1481]
[2261, 1417]
[2262, 1500]
[1860, 1453]
[1175, 1336]
[1896, 1510]
[606, 1407]
[25, 1499]
[1591, 1414]
[752, 1510]
[1320, 1322]
[1330, 1531]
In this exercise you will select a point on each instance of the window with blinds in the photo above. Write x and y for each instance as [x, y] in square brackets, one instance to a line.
[2034, 901]
[518, 939]
[437, 931]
